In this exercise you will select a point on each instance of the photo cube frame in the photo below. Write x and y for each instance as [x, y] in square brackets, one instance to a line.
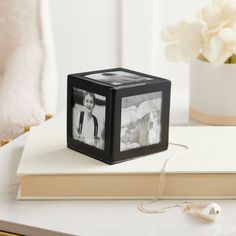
[117, 114]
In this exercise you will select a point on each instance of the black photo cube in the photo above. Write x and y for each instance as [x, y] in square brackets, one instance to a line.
[117, 114]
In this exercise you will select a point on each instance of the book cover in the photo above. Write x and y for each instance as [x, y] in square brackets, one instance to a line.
[49, 170]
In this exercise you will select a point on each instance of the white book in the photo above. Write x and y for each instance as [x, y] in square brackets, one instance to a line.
[50, 170]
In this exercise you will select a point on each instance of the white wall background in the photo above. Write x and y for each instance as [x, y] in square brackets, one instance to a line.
[86, 36]
[91, 34]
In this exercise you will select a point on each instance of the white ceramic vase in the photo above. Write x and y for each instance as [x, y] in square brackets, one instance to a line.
[213, 93]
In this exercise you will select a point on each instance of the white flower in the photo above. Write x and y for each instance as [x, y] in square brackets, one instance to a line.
[184, 40]
[212, 36]
[229, 10]
[212, 14]
[228, 36]
[215, 51]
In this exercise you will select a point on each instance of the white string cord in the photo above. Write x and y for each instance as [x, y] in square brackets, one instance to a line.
[207, 212]
[160, 184]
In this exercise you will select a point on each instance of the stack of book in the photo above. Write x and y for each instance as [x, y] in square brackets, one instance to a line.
[49, 170]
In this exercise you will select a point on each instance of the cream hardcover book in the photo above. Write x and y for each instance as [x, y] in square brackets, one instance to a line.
[50, 170]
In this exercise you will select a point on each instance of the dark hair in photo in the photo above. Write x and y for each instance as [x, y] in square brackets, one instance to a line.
[85, 93]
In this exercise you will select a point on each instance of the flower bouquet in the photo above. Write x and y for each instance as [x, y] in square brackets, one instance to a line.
[211, 36]
[209, 44]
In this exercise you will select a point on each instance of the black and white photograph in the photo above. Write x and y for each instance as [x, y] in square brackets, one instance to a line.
[89, 118]
[118, 77]
[140, 120]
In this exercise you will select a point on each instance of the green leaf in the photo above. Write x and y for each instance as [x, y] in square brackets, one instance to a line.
[233, 59]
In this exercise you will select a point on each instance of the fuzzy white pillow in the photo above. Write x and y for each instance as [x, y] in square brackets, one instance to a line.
[28, 80]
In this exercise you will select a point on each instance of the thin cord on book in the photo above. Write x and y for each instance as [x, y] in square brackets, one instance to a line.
[206, 212]
[160, 184]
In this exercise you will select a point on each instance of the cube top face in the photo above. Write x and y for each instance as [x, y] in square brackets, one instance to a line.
[118, 78]
[115, 119]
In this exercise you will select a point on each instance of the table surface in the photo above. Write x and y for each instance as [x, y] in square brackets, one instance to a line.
[99, 217]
